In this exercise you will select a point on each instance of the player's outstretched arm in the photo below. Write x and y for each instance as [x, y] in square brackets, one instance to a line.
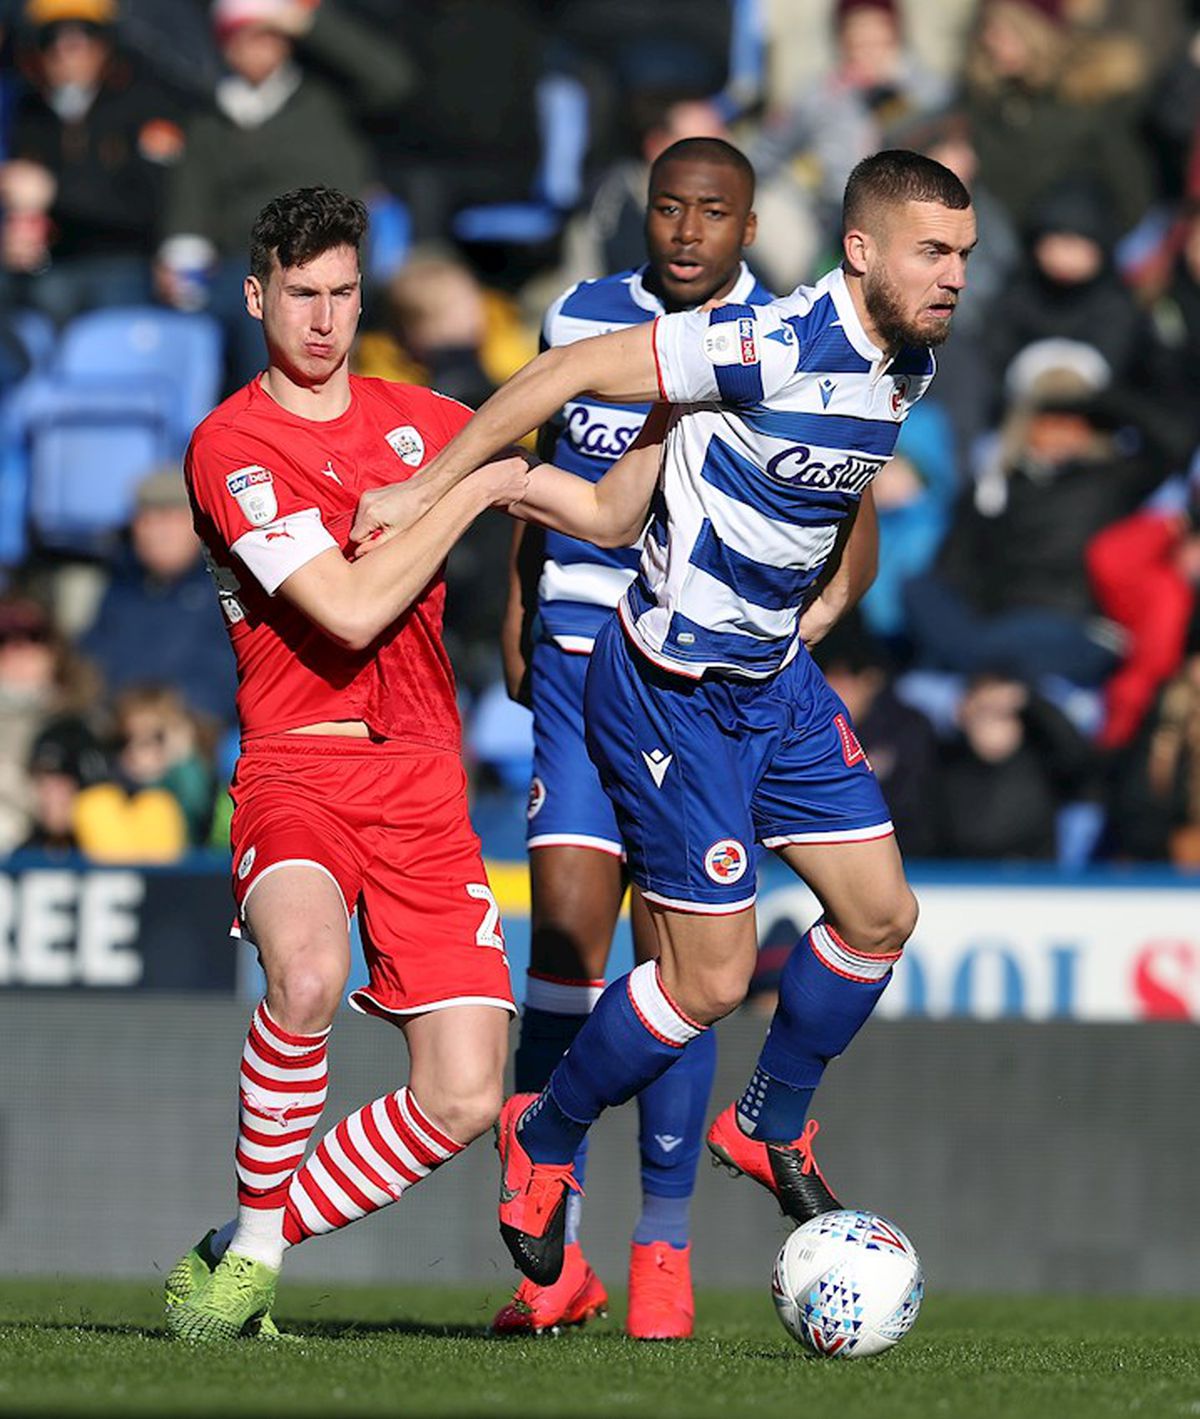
[353, 602]
[855, 561]
[619, 366]
[610, 513]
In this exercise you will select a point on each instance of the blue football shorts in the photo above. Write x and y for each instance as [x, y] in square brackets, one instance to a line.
[568, 807]
[700, 770]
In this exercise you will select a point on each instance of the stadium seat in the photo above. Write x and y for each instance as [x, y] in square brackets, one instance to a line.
[90, 443]
[389, 237]
[119, 395]
[563, 125]
[179, 351]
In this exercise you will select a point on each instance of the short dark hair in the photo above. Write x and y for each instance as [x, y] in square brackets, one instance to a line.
[898, 175]
[705, 150]
[302, 224]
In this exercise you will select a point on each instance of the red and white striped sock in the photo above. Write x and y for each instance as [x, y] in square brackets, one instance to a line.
[281, 1092]
[368, 1161]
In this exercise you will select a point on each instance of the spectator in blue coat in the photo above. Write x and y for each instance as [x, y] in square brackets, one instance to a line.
[914, 493]
[159, 620]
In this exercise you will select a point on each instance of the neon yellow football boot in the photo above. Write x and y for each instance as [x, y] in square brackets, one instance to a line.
[231, 1302]
[194, 1268]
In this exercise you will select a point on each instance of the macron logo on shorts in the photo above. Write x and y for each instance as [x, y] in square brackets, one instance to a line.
[658, 763]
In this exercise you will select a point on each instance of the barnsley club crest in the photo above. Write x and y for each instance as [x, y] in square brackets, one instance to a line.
[407, 445]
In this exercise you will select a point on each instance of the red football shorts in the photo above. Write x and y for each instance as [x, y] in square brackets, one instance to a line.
[390, 827]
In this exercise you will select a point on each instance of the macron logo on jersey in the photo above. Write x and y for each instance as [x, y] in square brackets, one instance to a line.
[658, 763]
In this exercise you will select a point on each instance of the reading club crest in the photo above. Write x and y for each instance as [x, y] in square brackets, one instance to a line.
[899, 396]
[406, 444]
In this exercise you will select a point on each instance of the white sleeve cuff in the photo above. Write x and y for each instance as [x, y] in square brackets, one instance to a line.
[685, 373]
[273, 552]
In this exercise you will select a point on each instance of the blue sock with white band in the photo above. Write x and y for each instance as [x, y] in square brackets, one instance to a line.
[826, 994]
[634, 1034]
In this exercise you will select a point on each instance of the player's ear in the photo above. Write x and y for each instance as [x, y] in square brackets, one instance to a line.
[253, 292]
[750, 230]
[856, 245]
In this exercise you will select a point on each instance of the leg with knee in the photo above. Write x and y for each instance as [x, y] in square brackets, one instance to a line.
[298, 922]
[457, 1066]
[706, 962]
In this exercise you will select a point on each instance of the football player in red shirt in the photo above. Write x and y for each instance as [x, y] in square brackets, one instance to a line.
[350, 791]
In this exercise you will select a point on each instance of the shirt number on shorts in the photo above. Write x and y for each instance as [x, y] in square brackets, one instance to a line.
[489, 933]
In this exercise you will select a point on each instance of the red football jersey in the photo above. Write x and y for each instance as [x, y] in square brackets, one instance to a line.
[270, 491]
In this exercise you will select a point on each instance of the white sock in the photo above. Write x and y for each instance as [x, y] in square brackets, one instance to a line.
[259, 1235]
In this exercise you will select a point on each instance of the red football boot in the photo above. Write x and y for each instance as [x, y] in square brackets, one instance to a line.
[574, 1299]
[533, 1199]
[789, 1170]
[660, 1292]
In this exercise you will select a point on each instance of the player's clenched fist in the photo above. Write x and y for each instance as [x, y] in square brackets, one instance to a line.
[508, 478]
[383, 512]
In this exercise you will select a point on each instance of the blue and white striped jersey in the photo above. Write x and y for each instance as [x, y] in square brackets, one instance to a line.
[784, 413]
[580, 584]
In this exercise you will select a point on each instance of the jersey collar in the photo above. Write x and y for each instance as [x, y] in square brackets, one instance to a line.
[852, 326]
[647, 300]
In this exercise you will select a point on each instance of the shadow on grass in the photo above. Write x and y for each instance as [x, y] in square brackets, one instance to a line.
[138, 1332]
[331, 1328]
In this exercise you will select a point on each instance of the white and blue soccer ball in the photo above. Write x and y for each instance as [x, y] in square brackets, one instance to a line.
[847, 1284]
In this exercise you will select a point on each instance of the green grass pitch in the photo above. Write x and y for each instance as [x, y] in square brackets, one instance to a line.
[87, 1348]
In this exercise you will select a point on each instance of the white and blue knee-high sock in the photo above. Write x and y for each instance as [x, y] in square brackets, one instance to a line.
[555, 1011]
[826, 993]
[670, 1133]
[634, 1034]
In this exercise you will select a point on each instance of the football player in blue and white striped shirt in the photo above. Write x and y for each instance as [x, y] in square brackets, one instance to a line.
[699, 218]
[706, 717]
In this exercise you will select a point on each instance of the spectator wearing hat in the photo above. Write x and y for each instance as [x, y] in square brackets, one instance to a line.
[275, 124]
[1068, 288]
[1048, 102]
[40, 677]
[92, 140]
[159, 619]
[66, 758]
[1010, 591]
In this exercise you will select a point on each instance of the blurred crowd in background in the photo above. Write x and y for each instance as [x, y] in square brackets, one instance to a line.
[1025, 673]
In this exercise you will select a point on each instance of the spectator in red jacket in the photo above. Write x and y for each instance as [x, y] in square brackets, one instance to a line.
[1144, 571]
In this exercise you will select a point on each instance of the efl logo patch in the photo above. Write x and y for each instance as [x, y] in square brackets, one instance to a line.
[407, 444]
[852, 751]
[726, 862]
[253, 489]
[537, 798]
[731, 343]
[246, 863]
[900, 396]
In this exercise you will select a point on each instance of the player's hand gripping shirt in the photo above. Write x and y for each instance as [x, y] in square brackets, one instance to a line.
[580, 584]
[270, 491]
[785, 413]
